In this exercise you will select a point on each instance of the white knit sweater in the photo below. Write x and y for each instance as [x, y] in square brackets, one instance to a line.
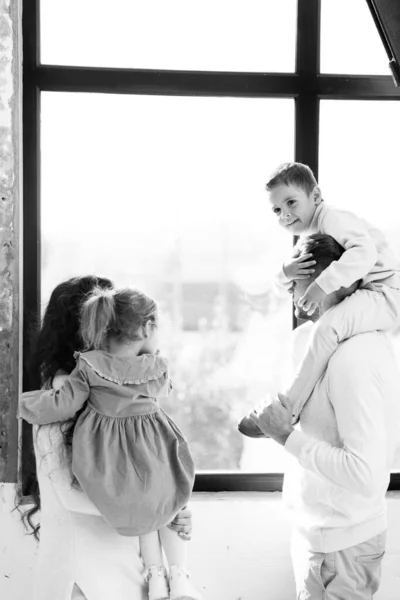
[343, 447]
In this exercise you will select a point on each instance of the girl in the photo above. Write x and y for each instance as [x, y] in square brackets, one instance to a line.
[128, 456]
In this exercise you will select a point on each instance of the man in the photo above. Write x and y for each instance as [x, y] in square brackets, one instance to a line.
[341, 450]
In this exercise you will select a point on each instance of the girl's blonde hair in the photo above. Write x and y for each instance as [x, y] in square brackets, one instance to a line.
[118, 313]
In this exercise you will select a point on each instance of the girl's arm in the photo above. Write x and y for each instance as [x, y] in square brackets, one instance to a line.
[360, 251]
[49, 406]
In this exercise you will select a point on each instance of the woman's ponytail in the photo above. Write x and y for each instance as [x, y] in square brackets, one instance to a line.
[97, 315]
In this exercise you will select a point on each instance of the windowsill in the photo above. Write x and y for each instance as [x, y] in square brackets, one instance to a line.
[235, 496]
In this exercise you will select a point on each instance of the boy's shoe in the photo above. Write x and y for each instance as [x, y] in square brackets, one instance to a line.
[247, 427]
[156, 577]
[181, 588]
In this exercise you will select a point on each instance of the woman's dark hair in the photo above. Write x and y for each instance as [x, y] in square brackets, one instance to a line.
[52, 352]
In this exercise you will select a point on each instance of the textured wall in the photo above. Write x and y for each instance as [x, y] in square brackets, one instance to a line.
[10, 130]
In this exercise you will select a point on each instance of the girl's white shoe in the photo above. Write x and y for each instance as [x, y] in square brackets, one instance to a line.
[180, 586]
[157, 579]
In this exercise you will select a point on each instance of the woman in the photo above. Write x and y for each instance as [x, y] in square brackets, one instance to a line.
[79, 556]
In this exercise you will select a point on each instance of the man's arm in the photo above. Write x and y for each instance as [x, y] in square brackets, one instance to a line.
[356, 393]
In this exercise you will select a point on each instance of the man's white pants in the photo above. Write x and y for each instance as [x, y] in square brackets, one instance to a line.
[350, 574]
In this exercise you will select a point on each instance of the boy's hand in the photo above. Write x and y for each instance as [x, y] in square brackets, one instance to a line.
[299, 268]
[310, 300]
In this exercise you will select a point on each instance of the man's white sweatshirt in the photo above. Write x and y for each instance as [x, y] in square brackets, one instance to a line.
[343, 447]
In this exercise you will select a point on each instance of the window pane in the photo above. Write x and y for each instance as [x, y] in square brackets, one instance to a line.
[222, 35]
[167, 194]
[350, 42]
[358, 163]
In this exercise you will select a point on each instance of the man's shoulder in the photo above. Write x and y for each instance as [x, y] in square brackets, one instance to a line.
[362, 365]
[363, 350]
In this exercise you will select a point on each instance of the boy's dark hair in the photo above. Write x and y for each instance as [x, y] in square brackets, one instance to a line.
[324, 248]
[293, 173]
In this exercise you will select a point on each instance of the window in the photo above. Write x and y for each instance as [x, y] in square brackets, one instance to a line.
[360, 176]
[163, 196]
[350, 42]
[228, 35]
[181, 157]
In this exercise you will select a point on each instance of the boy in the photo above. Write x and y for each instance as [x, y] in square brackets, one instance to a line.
[298, 205]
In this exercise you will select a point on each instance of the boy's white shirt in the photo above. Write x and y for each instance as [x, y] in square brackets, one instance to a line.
[342, 450]
[367, 255]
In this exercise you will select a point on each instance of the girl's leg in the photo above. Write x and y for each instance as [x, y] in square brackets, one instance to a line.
[174, 546]
[156, 575]
[151, 550]
[363, 311]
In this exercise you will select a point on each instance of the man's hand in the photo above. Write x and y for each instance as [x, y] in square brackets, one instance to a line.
[310, 301]
[299, 268]
[182, 523]
[275, 420]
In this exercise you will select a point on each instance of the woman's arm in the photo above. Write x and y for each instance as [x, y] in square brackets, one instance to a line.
[53, 466]
[49, 406]
[72, 499]
[182, 523]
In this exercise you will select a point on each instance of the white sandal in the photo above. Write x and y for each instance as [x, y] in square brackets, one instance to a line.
[157, 579]
[181, 588]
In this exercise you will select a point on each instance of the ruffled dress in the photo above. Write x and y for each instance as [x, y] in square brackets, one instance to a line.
[128, 455]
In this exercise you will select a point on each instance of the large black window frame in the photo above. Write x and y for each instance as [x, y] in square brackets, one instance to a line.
[307, 86]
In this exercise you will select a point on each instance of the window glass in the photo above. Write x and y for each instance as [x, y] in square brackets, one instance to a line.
[222, 35]
[168, 194]
[350, 42]
[358, 166]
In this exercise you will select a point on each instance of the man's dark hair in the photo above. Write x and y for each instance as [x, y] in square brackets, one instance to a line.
[324, 248]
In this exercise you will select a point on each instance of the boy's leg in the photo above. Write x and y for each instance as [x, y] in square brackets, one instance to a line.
[363, 311]
[77, 593]
[377, 308]
[351, 573]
